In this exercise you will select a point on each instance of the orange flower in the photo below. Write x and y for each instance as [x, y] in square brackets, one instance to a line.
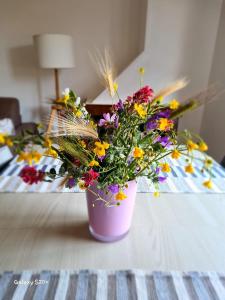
[189, 169]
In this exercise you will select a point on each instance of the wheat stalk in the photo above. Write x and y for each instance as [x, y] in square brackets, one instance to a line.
[172, 88]
[70, 125]
[105, 70]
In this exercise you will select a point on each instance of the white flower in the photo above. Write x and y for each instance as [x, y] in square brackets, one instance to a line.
[66, 92]
[77, 102]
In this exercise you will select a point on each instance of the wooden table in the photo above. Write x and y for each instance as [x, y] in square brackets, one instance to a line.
[173, 232]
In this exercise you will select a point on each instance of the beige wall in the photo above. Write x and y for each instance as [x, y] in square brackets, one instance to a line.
[180, 41]
[213, 124]
[118, 25]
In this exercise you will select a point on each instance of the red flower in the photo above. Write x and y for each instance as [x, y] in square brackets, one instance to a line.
[90, 177]
[30, 175]
[144, 95]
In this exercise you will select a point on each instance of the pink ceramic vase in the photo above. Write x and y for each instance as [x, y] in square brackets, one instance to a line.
[109, 224]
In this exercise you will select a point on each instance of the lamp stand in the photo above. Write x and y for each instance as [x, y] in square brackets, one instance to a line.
[56, 75]
[57, 95]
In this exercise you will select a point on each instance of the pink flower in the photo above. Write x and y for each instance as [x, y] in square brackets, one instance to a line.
[90, 177]
[144, 95]
[30, 175]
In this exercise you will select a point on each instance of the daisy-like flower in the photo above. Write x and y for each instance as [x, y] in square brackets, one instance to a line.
[175, 154]
[189, 169]
[100, 148]
[165, 168]
[140, 109]
[208, 184]
[174, 104]
[138, 152]
[120, 196]
[81, 185]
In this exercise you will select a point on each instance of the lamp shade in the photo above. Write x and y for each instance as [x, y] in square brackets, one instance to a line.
[55, 51]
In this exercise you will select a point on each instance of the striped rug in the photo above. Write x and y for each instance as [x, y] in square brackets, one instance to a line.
[109, 285]
[177, 182]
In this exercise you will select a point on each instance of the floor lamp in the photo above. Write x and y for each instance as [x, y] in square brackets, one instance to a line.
[54, 51]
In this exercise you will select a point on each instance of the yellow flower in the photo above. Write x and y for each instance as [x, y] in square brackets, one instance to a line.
[2, 138]
[175, 154]
[164, 124]
[140, 109]
[202, 146]
[83, 144]
[115, 86]
[156, 194]
[121, 196]
[138, 152]
[22, 156]
[189, 169]
[100, 148]
[36, 156]
[81, 185]
[29, 157]
[8, 142]
[78, 113]
[94, 163]
[141, 71]
[174, 104]
[208, 184]
[165, 167]
[51, 152]
[191, 145]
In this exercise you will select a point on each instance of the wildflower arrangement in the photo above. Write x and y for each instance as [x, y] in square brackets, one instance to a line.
[131, 141]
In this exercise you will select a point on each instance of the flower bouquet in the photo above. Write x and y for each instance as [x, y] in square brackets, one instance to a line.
[106, 158]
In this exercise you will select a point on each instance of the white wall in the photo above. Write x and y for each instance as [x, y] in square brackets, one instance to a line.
[213, 125]
[93, 24]
[180, 41]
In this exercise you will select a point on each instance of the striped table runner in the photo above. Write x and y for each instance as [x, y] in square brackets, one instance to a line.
[177, 182]
[109, 285]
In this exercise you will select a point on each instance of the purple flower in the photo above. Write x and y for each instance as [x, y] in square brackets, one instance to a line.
[151, 125]
[163, 140]
[71, 183]
[118, 106]
[157, 170]
[164, 113]
[101, 158]
[114, 188]
[108, 120]
[162, 179]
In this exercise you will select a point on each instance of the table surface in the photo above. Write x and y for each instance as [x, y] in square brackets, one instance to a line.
[173, 232]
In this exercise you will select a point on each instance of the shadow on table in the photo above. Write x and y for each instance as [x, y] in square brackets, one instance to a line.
[76, 231]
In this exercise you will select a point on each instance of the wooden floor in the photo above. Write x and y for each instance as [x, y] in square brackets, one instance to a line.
[173, 232]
